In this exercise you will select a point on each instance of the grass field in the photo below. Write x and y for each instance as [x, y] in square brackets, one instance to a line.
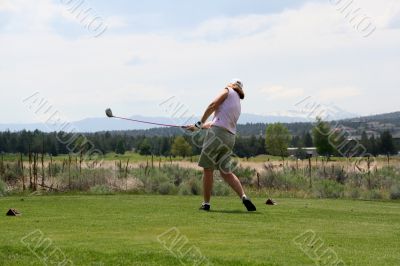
[124, 230]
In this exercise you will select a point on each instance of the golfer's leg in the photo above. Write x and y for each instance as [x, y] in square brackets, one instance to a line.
[207, 184]
[234, 182]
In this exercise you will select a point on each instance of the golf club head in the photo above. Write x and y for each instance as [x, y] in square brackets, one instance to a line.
[271, 202]
[109, 112]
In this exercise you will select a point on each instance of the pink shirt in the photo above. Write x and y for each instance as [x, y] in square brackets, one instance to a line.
[228, 112]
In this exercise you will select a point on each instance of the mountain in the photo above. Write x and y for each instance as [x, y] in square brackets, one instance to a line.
[107, 124]
[250, 124]
[393, 118]
[253, 119]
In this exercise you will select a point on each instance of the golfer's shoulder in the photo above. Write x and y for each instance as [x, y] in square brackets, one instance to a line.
[224, 93]
[230, 92]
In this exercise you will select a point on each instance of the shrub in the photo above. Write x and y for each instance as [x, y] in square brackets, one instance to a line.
[166, 188]
[12, 173]
[86, 179]
[328, 189]
[245, 174]
[174, 175]
[221, 189]
[285, 181]
[373, 195]
[185, 190]
[3, 188]
[191, 187]
[55, 169]
[101, 190]
[195, 186]
[271, 179]
[353, 193]
[395, 192]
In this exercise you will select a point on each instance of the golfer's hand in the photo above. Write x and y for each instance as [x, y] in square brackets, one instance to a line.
[207, 125]
[191, 128]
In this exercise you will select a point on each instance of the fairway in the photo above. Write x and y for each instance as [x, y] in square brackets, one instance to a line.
[125, 230]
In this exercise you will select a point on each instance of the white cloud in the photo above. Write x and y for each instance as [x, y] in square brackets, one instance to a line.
[7, 5]
[29, 15]
[308, 49]
[234, 27]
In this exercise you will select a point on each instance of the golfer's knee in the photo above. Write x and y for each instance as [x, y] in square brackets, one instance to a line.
[226, 175]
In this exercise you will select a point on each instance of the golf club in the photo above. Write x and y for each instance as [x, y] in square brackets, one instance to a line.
[110, 114]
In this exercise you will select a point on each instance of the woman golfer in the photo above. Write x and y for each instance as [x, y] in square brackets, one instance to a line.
[219, 142]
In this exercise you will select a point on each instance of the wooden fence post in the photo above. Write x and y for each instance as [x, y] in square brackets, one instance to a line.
[69, 171]
[43, 177]
[22, 172]
[309, 171]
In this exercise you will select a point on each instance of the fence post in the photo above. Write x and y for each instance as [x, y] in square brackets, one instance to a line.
[22, 173]
[69, 171]
[43, 170]
[309, 171]
[2, 169]
[30, 166]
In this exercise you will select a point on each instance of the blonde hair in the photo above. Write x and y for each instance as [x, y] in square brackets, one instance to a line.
[238, 89]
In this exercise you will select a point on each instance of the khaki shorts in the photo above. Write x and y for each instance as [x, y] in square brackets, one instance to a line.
[217, 150]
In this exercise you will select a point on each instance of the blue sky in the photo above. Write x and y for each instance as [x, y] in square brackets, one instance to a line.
[188, 13]
[165, 16]
[148, 51]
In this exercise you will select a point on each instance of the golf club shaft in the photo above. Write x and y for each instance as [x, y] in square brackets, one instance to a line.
[150, 123]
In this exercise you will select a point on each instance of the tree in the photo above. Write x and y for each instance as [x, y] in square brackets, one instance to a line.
[373, 146]
[277, 140]
[165, 146]
[307, 140]
[181, 147]
[261, 146]
[321, 133]
[365, 141]
[296, 142]
[387, 145]
[145, 147]
[120, 149]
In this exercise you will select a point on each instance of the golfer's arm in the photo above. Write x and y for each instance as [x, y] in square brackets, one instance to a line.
[214, 105]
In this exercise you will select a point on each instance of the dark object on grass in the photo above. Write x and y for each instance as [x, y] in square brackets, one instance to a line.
[13, 212]
[271, 202]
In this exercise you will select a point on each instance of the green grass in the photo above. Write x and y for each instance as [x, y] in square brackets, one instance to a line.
[123, 230]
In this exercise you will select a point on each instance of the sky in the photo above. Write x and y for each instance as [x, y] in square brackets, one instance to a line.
[83, 56]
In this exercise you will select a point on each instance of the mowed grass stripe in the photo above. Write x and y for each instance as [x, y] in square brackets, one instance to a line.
[123, 229]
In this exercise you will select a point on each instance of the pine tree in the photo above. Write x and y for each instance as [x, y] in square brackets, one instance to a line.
[120, 149]
[145, 147]
[181, 147]
[321, 133]
[307, 140]
[387, 145]
[373, 146]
